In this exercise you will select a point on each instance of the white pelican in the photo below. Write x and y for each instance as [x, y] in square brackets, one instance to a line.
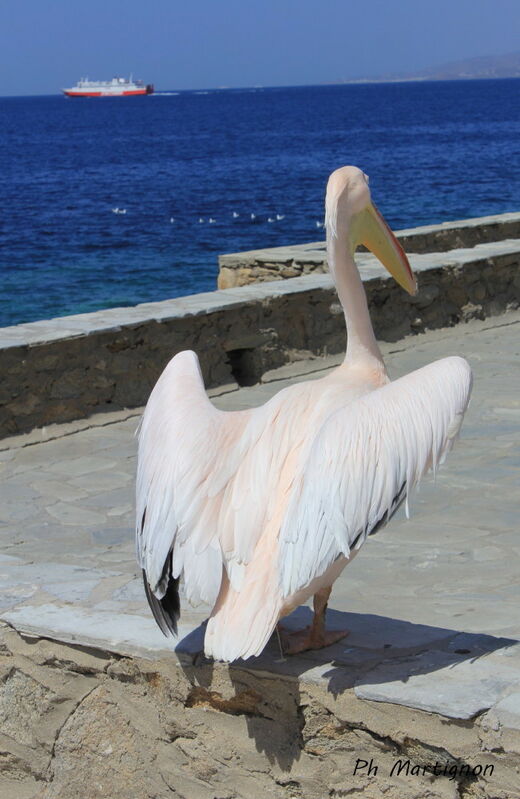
[259, 510]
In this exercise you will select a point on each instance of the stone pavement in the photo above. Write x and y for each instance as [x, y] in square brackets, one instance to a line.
[432, 604]
[67, 553]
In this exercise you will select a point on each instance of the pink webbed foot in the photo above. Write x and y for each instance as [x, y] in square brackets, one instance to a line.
[315, 636]
[297, 641]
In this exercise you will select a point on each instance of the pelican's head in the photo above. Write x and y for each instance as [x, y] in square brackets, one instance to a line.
[349, 211]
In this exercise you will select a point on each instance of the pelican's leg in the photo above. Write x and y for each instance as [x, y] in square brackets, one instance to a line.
[315, 636]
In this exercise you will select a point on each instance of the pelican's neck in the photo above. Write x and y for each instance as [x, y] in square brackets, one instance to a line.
[361, 343]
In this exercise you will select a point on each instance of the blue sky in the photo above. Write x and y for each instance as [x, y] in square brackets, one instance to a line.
[182, 44]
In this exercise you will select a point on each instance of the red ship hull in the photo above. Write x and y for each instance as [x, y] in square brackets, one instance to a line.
[106, 94]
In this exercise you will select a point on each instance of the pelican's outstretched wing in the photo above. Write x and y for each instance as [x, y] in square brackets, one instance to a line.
[178, 419]
[206, 482]
[364, 461]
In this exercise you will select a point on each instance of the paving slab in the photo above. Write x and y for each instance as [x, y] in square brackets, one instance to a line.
[432, 602]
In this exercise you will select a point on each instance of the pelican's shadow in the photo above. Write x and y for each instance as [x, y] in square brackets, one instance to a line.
[382, 659]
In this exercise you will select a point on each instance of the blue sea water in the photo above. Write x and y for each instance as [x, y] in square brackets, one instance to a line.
[434, 152]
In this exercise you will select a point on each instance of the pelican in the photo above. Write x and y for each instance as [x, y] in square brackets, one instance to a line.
[259, 510]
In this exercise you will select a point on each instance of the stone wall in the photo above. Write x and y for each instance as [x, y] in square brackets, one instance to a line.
[282, 263]
[91, 724]
[68, 368]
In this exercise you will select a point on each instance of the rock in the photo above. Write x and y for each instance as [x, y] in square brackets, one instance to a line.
[100, 754]
[142, 729]
[23, 703]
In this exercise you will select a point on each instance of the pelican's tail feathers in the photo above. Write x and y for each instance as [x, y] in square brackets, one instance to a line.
[242, 622]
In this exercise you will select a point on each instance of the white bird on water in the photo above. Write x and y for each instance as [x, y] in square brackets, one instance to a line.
[279, 217]
[258, 510]
[235, 215]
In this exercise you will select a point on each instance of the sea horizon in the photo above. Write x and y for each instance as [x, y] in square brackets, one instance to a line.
[347, 82]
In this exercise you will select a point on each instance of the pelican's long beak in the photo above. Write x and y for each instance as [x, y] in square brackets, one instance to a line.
[372, 231]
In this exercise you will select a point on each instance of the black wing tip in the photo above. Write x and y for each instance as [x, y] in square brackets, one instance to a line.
[166, 611]
[385, 518]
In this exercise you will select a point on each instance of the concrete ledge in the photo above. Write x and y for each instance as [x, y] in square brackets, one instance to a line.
[281, 263]
[68, 368]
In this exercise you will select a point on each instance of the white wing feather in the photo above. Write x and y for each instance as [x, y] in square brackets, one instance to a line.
[178, 448]
[206, 481]
[364, 459]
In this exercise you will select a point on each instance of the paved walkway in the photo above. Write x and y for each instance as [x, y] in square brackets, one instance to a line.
[442, 587]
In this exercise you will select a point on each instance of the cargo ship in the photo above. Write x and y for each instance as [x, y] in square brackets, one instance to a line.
[117, 87]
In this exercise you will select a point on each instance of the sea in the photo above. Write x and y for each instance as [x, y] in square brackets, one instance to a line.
[114, 202]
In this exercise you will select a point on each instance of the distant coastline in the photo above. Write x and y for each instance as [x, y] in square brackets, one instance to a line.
[492, 67]
[416, 79]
